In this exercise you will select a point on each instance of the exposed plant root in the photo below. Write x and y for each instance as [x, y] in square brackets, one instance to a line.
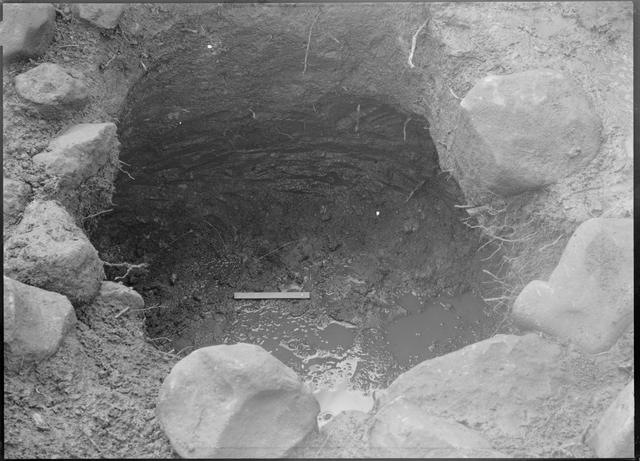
[415, 189]
[404, 129]
[548, 245]
[125, 172]
[306, 54]
[93, 215]
[122, 312]
[279, 248]
[131, 268]
[413, 42]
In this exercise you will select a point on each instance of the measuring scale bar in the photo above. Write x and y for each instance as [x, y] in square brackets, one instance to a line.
[272, 295]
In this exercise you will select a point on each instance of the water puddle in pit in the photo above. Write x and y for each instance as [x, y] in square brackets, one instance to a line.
[344, 365]
[446, 322]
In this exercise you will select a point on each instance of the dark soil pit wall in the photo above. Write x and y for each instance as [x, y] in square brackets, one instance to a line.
[245, 174]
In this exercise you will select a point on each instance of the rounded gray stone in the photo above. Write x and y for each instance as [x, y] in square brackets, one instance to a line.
[234, 401]
[26, 29]
[589, 296]
[49, 251]
[103, 15]
[79, 152]
[523, 131]
[39, 319]
[52, 89]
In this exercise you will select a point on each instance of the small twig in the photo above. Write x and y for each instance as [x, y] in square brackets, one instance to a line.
[357, 119]
[180, 236]
[155, 306]
[464, 206]
[487, 272]
[109, 61]
[279, 248]
[68, 46]
[306, 54]
[130, 267]
[413, 42]
[283, 133]
[169, 354]
[544, 247]
[253, 114]
[454, 95]
[222, 241]
[499, 298]
[488, 242]
[334, 39]
[181, 350]
[126, 172]
[475, 210]
[415, 189]
[494, 212]
[144, 67]
[492, 254]
[123, 311]
[97, 214]
[404, 129]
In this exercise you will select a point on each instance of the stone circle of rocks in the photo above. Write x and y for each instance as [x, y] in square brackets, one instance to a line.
[50, 265]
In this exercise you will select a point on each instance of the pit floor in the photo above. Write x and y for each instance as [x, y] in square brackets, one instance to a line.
[392, 283]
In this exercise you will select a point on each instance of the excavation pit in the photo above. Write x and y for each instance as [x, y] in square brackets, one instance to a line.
[243, 172]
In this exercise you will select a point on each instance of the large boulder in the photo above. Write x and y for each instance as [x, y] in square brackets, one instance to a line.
[589, 296]
[26, 29]
[15, 196]
[523, 131]
[52, 89]
[613, 437]
[103, 15]
[495, 387]
[49, 251]
[79, 152]
[234, 401]
[401, 429]
[35, 323]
